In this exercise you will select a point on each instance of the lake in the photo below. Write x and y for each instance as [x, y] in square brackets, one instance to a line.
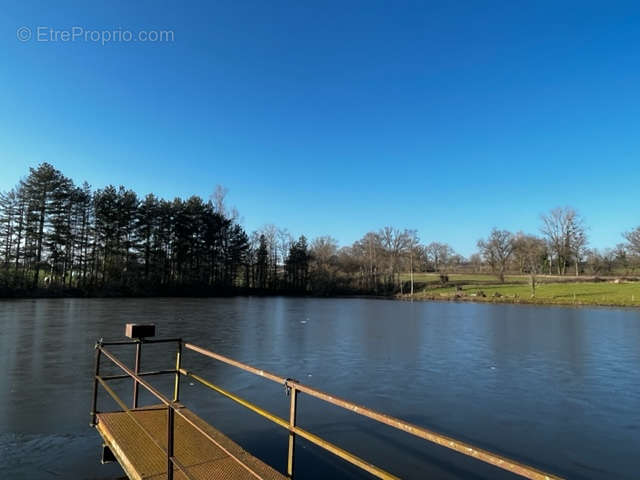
[558, 388]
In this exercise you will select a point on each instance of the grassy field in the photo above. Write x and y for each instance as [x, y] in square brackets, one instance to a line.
[462, 277]
[485, 288]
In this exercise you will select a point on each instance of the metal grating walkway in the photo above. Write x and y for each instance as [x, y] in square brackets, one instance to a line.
[142, 459]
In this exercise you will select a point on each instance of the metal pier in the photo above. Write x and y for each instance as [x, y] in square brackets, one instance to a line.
[168, 441]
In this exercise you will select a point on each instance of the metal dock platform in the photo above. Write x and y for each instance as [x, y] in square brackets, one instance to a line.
[142, 458]
[168, 441]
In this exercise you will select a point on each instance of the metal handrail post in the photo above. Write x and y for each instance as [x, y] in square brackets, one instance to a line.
[136, 370]
[170, 419]
[96, 373]
[176, 386]
[293, 392]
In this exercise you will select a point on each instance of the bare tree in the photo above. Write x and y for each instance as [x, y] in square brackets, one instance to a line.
[633, 247]
[532, 251]
[283, 244]
[519, 251]
[577, 238]
[554, 228]
[497, 250]
[323, 250]
[566, 234]
[371, 249]
[412, 247]
[395, 243]
[324, 263]
[438, 254]
[476, 262]
[270, 232]
[608, 257]
[624, 258]
[218, 199]
[633, 240]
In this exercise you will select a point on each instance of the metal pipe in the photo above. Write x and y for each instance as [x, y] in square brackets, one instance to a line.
[176, 385]
[94, 401]
[113, 394]
[486, 456]
[254, 408]
[160, 340]
[142, 382]
[292, 424]
[143, 340]
[342, 453]
[349, 457]
[119, 342]
[141, 374]
[464, 448]
[262, 373]
[170, 416]
[136, 370]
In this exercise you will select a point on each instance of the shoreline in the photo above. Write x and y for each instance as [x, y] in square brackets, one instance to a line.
[509, 301]
[417, 297]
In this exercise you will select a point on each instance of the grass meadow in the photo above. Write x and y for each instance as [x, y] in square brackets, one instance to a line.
[516, 289]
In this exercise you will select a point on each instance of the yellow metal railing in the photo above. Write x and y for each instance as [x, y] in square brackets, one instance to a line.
[173, 407]
[293, 388]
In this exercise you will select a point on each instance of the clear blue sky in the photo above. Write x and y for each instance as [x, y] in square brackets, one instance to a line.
[339, 118]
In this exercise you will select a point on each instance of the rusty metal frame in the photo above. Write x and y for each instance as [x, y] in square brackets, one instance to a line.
[293, 388]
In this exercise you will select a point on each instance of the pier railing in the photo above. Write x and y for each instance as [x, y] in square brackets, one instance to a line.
[293, 388]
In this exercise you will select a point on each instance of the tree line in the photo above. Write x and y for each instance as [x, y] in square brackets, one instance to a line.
[57, 235]
[562, 246]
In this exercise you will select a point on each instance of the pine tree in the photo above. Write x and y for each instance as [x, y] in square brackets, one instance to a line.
[106, 232]
[238, 245]
[8, 209]
[44, 187]
[111, 239]
[146, 230]
[297, 265]
[262, 263]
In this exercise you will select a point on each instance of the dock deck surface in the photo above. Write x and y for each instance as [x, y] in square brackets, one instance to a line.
[142, 459]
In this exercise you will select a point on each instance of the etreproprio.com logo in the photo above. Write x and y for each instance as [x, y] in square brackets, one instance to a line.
[45, 34]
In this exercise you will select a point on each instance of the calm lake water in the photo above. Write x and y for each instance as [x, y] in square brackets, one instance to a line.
[555, 387]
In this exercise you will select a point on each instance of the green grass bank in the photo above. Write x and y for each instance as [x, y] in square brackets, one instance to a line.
[516, 289]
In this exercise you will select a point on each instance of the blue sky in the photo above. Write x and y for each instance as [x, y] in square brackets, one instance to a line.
[340, 117]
